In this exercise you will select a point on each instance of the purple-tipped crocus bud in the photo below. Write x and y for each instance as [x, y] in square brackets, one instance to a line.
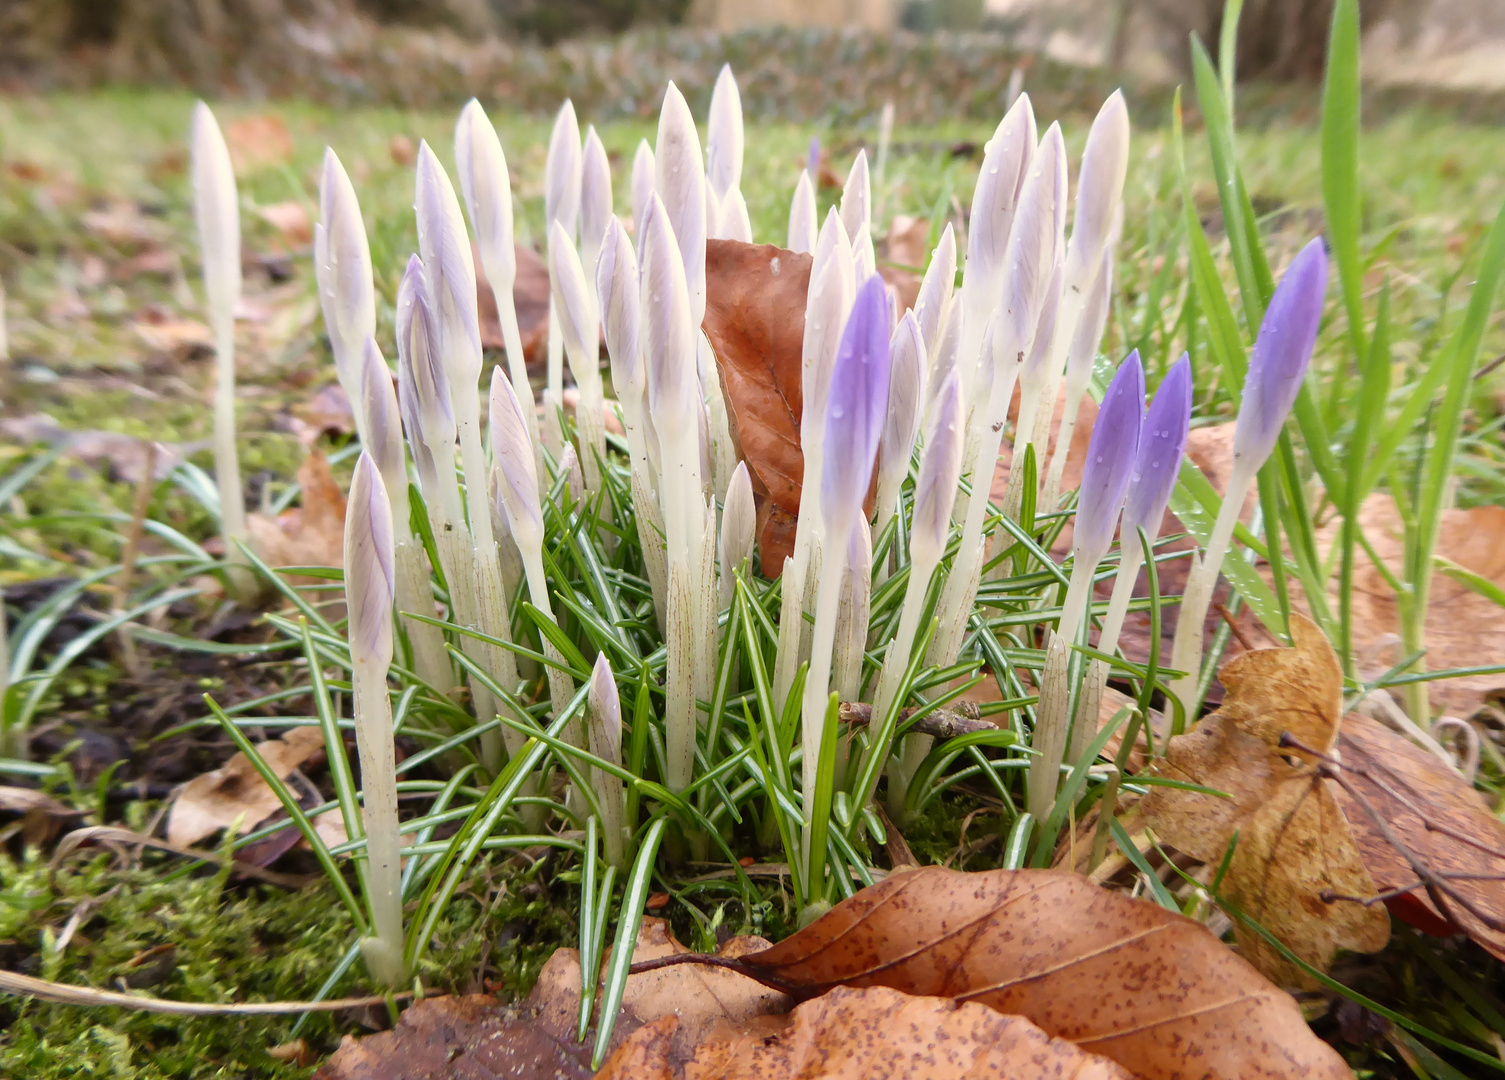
[905, 388]
[605, 713]
[940, 471]
[1111, 456]
[369, 572]
[724, 136]
[444, 246]
[1162, 440]
[802, 227]
[856, 404]
[1281, 353]
[617, 286]
[935, 290]
[342, 269]
[382, 423]
[487, 187]
[427, 408]
[595, 199]
[561, 171]
[512, 451]
[642, 182]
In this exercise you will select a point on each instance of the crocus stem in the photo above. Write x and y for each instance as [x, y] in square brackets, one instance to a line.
[232, 500]
[813, 716]
[517, 368]
[373, 709]
[895, 663]
[430, 661]
[1076, 386]
[679, 682]
[1053, 715]
[1091, 695]
[1186, 650]
[561, 686]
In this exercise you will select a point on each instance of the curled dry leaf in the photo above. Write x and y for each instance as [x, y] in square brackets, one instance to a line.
[1412, 816]
[313, 534]
[258, 142]
[755, 322]
[236, 791]
[1122, 978]
[1295, 852]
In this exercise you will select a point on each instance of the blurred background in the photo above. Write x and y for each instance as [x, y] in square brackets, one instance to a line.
[932, 56]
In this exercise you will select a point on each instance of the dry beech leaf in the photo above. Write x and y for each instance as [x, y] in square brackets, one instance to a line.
[881, 1034]
[290, 220]
[530, 296]
[906, 241]
[313, 534]
[236, 790]
[1295, 850]
[16, 800]
[256, 142]
[1442, 821]
[1122, 978]
[755, 322]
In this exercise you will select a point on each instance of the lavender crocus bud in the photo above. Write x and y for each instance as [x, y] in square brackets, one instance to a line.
[668, 334]
[739, 519]
[424, 384]
[595, 199]
[1005, 164]
[724, 137]
[575, 305]
[606, 713]
[444, 246]
[562, 171]
[802, 227]
[218, 215]
[617, 286]
[369, 566]
[940, 471]
[826, 305]
[934, 298]
[1100, 185]
[1281, 353]
[1162, 440]
[1111, 456]
[855, 407]
[905, 389]
[813, 156]
[857, 197]
[512, 451]
[680, 183]
[643, 172]
[342, 269]
[487, 187]
[381, 422]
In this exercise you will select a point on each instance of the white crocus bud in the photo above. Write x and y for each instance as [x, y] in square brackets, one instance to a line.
[512, 451]
[379, 418]
[595, 202]
[1100, 186]
[643, 176]
[617, 288]
[342, 269]
[736, 223]
[562, 171]
[857, 202]
[934, 299]
[905, 391]
[428, 409]
[724, 137]
[739, 519]
[680, 183]
[574, 302]
[606, 744]
[369, 588]
[444, 246]
[218, 215]
[802, 227]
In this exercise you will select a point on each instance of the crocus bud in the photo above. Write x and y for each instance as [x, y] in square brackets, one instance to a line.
[643, 173]
[562, 171]
[802, 227]
[569, 465]
[512, 451]
[1281, 353]
[342, 269]
[680, 183]
[1162, 440]
[739, 519]
[1100, 185]
[905, 388]
[826, 305]
[487, 187]
[218, 216]
[444, 246]
[369, 566]
[724, 136]
[617, 286]
[735, 223]
[1111, 456]
[427, 408]
[668, 334]
[940, 471]
[605, 712]
[595, 200]
[855, 408]
[576, 307]
[935, 290]
[1031, 257]
[381, 422]
[1005, 163]
[813, 156]
[857, 197]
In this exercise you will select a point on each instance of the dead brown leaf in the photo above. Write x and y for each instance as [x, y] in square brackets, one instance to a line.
[403, 151]
[906, 240]
[754, 320]
[326, 412]
[1119, 977]
[313, 534]
[1401, 794]
[17, 800]
[1295, 851]
[124, 457]
[530, 295]
[236, 790]
[881, 1034]
[182, 339]
[291, 221]
[257, 142]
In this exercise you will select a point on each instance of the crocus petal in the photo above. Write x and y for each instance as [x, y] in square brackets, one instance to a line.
[562, 169]
[369, 559]
[444, 247]
[642, 181]
[342, 269]
[802, 215]
[680, 183]
[575, 305]
[487, 187]
[668, 334]
[736, 223]
[382, 424]
[1281, 353]
[936, 289]
[617, 286]
[855, 407]
[739, 519]
[512, 451]
[1162, 440]
[827, 302]
[595, 199]
[940, 469]
[605, 713]
[724, 137]
[432, 416]
[905, 387]
[1111, 455]
[217, 212]
[857, 196]
[1100, 185]
[1005, 164]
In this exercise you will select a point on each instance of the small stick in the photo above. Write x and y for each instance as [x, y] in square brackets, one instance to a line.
[64, 994]
[1233, 627]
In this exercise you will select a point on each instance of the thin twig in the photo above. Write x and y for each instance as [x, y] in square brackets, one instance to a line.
[728, 963]
[941, 723]
[67, 994]
[1233, 627]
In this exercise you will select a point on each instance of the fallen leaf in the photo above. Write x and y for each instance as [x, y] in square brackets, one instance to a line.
[17, 800]
[906, 241]
[123, 456]
[754, 320]
[290, 219]
[1295, 850]
[121, 223]
[235, 790]
[530, 296]
[881, 1033]
[182, 339]
[1152, 990]
[403, 152]
[296, 1053]
[1444, 824]
[327, 412]
[259, 141]
[311, 535]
